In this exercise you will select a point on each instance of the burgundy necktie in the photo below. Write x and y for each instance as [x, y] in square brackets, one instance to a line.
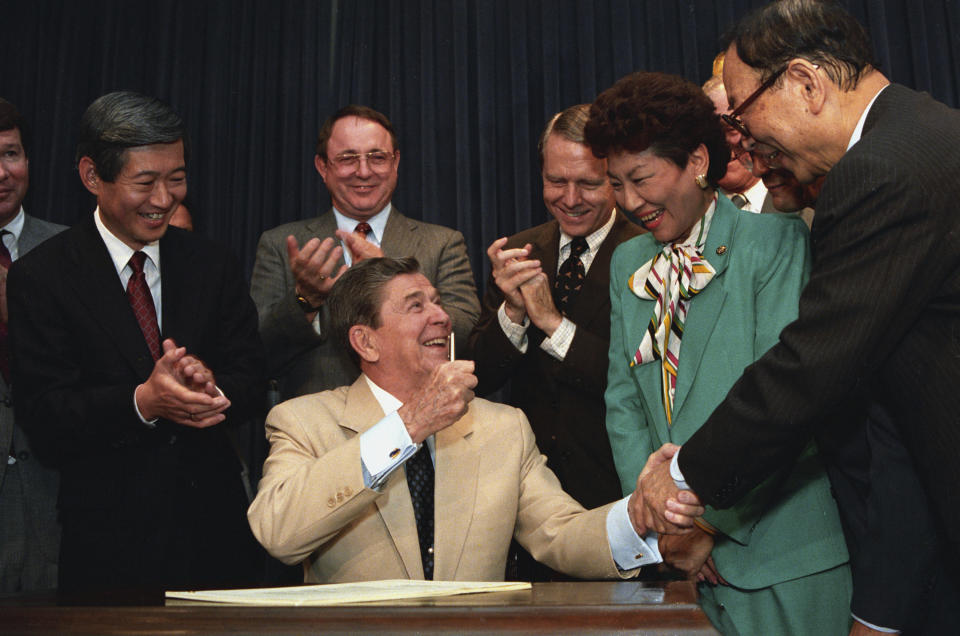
[363, 228]
[6, 262]
[141, 301]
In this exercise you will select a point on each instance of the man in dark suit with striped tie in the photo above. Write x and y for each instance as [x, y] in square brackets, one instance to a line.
[876, 346]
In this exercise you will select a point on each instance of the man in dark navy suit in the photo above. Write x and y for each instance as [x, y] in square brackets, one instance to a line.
[875, 352]
[135, 347]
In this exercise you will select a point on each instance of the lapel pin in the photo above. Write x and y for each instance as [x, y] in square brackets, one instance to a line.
[721, 250]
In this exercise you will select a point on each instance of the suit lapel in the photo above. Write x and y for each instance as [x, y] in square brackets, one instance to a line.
[395, 506]
[99, 290]
[177, 306]
[30, 237]
[593, 301]
[704, 308]
[639, 311]
[456, 483]
[400, 236]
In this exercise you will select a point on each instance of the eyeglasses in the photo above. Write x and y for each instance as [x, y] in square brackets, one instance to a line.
[377, 160]
[766, 159]
[733, 119]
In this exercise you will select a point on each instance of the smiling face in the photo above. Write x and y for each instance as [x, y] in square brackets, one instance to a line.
[136, 207]
[412, 339]
[576, 190]
[738, 177]
[778, 118]
[360, 191]
[664, 198]
[14, 174]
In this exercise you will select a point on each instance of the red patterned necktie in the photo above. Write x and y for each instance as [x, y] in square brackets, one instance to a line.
[5, 261]
[141, 301]
[363, 228]
[571, 274]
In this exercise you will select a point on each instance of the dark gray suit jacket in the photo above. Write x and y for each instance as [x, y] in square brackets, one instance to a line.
[38, 481]
[304, 362]
[879, 322]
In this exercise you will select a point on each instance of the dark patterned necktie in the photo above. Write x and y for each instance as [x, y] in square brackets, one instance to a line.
[6, 262]
[363, 228]
[571, 274]
[739, 200]
[420, 483]
[141, 301]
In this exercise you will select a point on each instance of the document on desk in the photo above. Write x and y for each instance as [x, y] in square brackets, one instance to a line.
[343, 593]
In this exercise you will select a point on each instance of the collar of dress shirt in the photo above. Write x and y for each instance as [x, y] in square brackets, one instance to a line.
[120, 252]
[389, 404]
[377, 222]
[594, 240]
[858, 131]
[12, 240]
[755, 196]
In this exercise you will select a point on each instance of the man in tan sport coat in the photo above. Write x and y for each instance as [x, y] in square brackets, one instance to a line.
[325, 499]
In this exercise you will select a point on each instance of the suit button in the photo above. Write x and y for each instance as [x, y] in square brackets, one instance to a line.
[172, 440]
[23, 455]
[339, 497]
[347, 491]
[331, 503]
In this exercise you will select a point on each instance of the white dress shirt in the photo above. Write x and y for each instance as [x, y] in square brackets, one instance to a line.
[559, 343]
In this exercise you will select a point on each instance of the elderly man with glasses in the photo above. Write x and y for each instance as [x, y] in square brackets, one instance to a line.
[876, 347]
[298, 263]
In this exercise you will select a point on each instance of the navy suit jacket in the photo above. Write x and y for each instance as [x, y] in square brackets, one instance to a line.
[139, 505]
[878, 333]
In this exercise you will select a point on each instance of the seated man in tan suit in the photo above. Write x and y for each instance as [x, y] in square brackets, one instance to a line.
[335, 495]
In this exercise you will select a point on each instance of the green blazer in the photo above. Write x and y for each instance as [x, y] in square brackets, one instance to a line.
[787, 527]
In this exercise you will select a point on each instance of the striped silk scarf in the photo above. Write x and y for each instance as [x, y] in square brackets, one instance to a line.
[671, 278]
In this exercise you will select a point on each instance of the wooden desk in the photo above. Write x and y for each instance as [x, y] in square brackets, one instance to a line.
[549, 608]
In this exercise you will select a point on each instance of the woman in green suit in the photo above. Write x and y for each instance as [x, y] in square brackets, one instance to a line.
[694, 302]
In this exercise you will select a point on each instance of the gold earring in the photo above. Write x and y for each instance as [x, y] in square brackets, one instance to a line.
[701, 180]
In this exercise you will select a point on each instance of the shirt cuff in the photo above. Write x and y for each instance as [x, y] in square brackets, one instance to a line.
[383, 448]
[516, 334]
[676, 474]
[559, 343]
[151, 423]
[630, 550]
[315, 323]
[885, 630]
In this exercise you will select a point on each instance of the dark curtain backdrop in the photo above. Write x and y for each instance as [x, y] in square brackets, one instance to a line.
[468, 83]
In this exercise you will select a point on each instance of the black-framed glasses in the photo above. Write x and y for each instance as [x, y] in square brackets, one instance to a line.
[377, 160]
[733, 119]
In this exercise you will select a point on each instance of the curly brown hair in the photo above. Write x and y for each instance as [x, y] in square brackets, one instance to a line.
[664, 113]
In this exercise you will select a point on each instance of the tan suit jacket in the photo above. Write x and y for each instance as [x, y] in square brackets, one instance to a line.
[492, 484]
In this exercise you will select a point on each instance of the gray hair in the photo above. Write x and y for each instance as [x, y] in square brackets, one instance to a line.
[121, 120]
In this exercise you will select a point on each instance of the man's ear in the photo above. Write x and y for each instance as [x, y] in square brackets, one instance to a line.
[364, 342]
[88, 175]
[321, 166]
[810, 85]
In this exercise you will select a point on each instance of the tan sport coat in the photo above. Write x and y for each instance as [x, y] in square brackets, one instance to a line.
[492, 484]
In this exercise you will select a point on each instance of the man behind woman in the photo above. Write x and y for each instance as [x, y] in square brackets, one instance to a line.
[723, 284]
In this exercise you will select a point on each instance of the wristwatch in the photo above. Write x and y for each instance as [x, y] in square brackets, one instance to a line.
[306, 306]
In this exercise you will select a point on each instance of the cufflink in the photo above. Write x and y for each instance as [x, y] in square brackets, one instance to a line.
[394, 453]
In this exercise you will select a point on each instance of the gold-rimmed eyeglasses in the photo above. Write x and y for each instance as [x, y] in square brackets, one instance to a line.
[377, 160]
